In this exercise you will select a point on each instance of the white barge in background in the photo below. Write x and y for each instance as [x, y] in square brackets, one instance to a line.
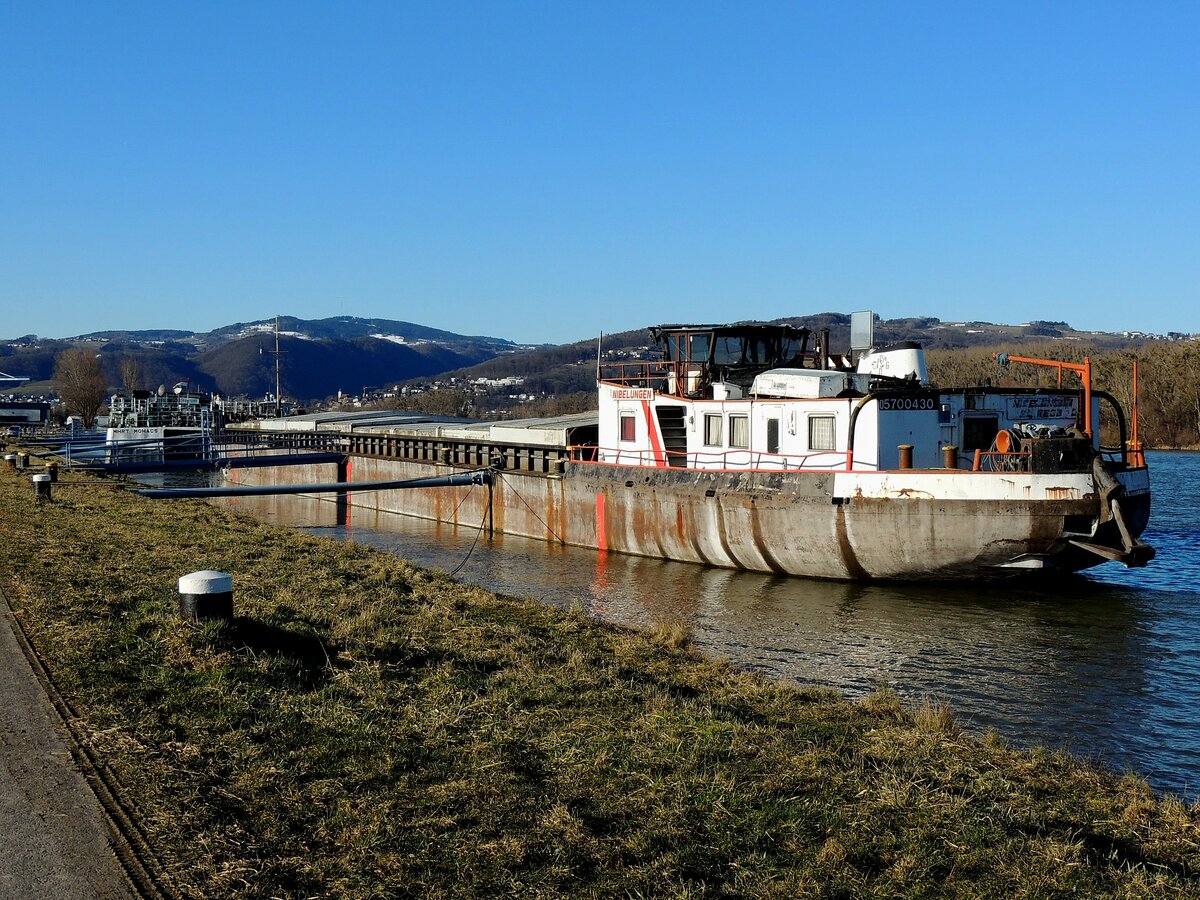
[144, 424]
[755, 447]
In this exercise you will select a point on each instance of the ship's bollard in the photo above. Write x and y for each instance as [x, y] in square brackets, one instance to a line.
[41, 488]
[1137, 458]
[905, 456]
[950, 457]
[978, 464]
[10, 460]
[206, 595]
[52, 471]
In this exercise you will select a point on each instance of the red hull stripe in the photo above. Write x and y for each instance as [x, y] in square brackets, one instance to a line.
[660, 458]
[601, 539]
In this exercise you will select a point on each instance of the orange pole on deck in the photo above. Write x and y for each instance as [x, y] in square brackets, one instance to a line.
[1135, 403]
[1134, 446]
[1087, 395]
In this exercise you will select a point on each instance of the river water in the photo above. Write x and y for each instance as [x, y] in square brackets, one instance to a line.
[1106, 664]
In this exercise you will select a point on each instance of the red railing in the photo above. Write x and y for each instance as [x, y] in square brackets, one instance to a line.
[636, 374]
[715, 460]
[671, 378]
[757, 461]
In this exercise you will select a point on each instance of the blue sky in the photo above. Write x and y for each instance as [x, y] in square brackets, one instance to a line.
[545, 171]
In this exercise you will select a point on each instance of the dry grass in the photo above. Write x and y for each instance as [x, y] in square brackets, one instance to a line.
[368, 729]
[934, 716]
[673, 635]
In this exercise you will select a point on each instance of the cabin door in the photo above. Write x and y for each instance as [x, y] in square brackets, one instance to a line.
[773, 429]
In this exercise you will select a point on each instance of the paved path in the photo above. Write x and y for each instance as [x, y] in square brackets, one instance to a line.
[54, 838]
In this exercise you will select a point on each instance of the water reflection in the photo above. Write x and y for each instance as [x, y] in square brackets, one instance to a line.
[1009, 657]
[1107, 665]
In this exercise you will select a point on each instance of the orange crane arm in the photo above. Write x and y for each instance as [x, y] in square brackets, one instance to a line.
[1083, 370]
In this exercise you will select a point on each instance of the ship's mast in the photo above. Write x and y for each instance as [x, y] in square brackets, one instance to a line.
[278, 403]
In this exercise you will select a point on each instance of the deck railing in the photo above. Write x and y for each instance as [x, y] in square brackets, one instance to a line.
[758, 461]
[712, 460]
[671, 378]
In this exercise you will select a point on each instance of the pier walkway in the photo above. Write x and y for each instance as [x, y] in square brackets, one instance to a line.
[55, 841]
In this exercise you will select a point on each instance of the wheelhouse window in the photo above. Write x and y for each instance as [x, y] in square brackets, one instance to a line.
[727, 350]
[628, 428]
[739, 432]
[712, 429]
[794, 349]
[822, 434]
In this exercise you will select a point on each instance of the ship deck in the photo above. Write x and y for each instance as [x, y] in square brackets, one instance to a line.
[531, 445]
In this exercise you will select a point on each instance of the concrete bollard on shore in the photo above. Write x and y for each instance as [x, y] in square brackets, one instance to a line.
[10, 459]
[22, 460]
[52, 471]
[41, 487]
[207, 594]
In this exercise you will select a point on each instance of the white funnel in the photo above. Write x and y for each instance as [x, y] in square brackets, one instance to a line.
[903, 360]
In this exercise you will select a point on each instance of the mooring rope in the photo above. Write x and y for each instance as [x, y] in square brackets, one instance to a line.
[487, 508]
[545, 524]
[466, 494]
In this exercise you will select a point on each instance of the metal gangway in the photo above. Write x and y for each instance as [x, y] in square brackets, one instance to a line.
[194, 451]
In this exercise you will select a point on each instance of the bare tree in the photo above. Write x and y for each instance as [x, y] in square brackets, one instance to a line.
[80, 383]
[131, 374]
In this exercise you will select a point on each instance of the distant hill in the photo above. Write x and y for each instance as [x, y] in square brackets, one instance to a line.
[154, 335]
[316, 369]
[337, 328]
[342, 328]
[319, 357]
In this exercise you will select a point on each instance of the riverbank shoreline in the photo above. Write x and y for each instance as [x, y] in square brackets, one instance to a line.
[367, 728]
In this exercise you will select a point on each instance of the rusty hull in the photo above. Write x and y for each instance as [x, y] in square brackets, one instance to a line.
[773, 522]
[792, 523]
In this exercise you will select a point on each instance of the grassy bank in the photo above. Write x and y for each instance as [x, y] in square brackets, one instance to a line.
[369, 729]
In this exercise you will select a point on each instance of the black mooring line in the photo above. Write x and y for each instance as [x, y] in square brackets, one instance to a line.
[217, 462]
[482, 476]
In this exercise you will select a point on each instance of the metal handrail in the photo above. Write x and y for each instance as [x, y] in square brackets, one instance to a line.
[742, 460]
[738, 459]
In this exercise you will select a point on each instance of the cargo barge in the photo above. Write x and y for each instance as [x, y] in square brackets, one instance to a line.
[757, 447]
